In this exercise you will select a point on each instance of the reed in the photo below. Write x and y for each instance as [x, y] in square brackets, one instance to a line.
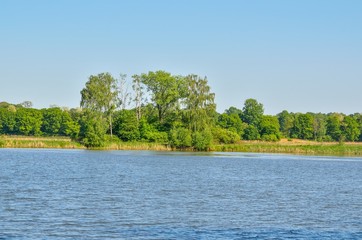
[38, 142]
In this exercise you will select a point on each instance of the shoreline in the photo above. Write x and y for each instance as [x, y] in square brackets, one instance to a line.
[299, 147]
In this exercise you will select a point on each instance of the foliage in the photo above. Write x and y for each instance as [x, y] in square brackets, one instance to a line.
[165, 90]
[180, 137]
[251, 133]
[269, 128]
[126, 126]
[93, 129]
[252, 112]
[101, 95]
[201, 140]
[200, 108]
[222, 135]
[303, 126]
[28, 121]
[232, 122]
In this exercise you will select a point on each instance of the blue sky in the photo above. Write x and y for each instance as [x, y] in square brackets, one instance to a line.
[295, 55]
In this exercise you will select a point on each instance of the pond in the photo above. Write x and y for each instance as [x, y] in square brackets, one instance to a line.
[79, 194]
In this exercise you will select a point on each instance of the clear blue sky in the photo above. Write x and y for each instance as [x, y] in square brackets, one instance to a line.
[296, 55]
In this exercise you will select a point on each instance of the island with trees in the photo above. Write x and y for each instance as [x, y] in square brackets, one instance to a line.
[158, 110]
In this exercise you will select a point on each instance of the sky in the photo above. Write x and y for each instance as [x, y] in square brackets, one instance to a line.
[300, 56]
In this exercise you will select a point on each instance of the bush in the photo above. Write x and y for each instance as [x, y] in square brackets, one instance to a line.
[201, 141]
[224, 135]
[180, 137]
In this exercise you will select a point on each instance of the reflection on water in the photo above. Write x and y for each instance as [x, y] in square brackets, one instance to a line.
[71, 194]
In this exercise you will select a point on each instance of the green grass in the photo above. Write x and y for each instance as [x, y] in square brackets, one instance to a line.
[38, 142]
[290, 147]
[307, 149]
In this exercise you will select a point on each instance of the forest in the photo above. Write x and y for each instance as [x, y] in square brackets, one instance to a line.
[177, 111]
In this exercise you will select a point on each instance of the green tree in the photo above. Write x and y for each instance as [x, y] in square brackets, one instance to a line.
[180, 137]
[350, 128]
[93, 129]
[101, 95]
[165, 89]
[251, 133]
[252, 112]
[286, 122]
[231, 122]
[126, 126]
[7, 121]
[200, 108]
[269, 128]
[334, 121]
[28, 121]
[52, 121]
[303, 126]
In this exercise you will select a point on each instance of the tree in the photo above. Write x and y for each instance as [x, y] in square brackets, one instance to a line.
[286, 122]
[101, 95]
[350, 128]
[92, 129]
[52, 121]
[28, 121]
[231, 122]
[124, 94]
[165, 90]
[334, 121]
[303, 126]
[269, 128]
[180, 137]
[139, 95]
[200, 108]
[252, 112]
[126, 126]
[27, 104]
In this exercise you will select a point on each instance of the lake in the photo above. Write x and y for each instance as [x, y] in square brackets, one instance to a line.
[79, 194]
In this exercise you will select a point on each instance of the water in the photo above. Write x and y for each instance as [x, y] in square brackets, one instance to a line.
[72, 194]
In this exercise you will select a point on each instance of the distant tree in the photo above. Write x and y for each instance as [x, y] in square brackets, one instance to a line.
[251, 133]
[92, 129]
[286, 122]
[334, 121]
[52, 121]
[269, 128]
[226, 136]
[28, 121]
[101, 95]
[124, 94]
[138, 89]
[319, 126]
[200, 108]
[180, 137]
[27, 104]
[350, 128]
[252, 112]
[234, 110]
[126, 126]
[7, 121]
[201, 140]
[231, 122]
[165, 89]
[303, 126]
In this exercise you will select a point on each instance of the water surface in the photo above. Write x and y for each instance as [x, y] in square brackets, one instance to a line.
[77, 194]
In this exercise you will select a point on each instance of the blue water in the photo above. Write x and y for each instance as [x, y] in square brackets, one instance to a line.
[72, 194]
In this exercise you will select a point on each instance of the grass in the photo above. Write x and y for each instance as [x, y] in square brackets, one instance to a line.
[293, 147]
[284, 146]
[38, 142]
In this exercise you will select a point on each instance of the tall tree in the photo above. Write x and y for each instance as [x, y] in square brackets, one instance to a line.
[101, 95]
[252, 112]
[165, 90]
[199, 103]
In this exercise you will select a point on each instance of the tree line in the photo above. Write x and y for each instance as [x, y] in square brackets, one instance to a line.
[179, 111]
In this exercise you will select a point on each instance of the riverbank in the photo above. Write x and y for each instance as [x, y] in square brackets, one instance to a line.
[284, 146]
